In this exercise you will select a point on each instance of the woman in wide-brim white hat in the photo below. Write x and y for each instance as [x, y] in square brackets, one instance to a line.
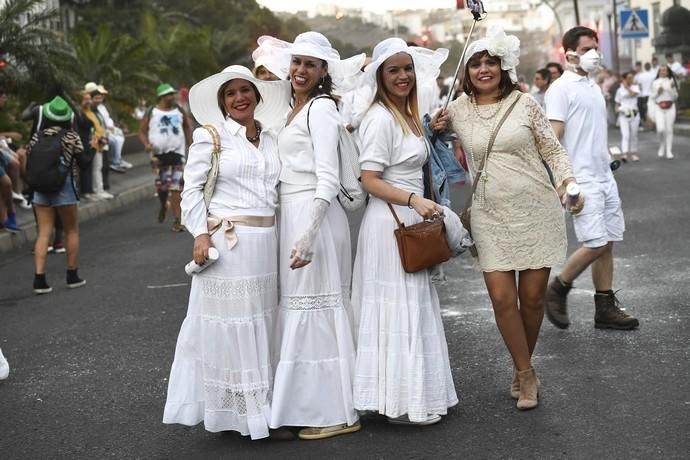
[313, 381]
[402, 368]
[222, 371]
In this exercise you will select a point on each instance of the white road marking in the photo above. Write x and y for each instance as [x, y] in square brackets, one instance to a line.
[163, 286]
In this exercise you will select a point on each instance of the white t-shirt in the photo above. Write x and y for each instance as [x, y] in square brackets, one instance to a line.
[577, 101]
[103, 110]
[645, 79]
[678, 69]
[625, 99]
[166, 131]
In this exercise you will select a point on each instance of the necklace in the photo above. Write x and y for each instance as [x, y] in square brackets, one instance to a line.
[492, 115]
[258, 132]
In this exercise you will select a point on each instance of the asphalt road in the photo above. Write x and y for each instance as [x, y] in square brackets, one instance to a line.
[89, 366]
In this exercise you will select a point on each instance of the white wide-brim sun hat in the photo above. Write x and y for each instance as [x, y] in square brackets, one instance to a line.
[345, 73]
[427, 66]
[275, 97]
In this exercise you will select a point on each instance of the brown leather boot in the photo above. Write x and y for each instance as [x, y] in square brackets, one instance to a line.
[529, 390]
[556, 303]
[609, 314]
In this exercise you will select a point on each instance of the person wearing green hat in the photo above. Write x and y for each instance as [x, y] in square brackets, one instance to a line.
[166, 132]
[57, 121]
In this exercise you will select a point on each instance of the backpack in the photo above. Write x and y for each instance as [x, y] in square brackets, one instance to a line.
[46, 169]
[351, 195]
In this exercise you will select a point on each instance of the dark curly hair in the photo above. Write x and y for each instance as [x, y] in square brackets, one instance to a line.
[505, 86]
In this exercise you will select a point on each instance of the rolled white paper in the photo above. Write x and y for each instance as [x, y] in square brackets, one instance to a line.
[192, 268]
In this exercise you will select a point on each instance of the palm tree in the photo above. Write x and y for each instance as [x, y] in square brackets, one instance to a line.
[34, 52]
[129, 68]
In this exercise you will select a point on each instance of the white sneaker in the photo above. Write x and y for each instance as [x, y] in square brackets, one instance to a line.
[126, 164]
[669, 156]
[660, 152]
[105, 195]
[20, 200]
[4, 367]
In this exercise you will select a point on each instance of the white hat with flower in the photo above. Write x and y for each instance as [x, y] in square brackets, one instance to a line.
[316, 45]
[500, 45]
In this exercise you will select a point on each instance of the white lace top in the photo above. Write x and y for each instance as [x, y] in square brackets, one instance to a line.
[517, 217]
[247, 178]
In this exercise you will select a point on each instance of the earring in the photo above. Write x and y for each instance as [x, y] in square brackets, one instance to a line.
[321, 84]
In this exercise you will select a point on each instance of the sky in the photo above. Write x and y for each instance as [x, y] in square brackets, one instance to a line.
[376, 5]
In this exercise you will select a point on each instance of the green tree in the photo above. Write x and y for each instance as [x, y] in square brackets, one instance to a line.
[128, 68]
[34, 54]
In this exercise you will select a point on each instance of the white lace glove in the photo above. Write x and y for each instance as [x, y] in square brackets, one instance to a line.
[304, 247]
[458, 237]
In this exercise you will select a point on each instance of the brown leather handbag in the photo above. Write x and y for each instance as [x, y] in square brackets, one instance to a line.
[423, 244]
[466, 215]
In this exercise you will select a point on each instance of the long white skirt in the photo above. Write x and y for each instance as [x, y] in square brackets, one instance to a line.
[402, 356]
[316, 354]
[222, 371]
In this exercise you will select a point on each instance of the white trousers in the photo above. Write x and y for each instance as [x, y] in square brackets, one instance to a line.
[96, 173]
[629, 126]
[664, 128]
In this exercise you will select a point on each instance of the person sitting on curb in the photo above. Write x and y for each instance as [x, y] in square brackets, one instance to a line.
[166, 132]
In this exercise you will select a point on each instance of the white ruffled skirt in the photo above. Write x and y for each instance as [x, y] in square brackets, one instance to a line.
[222, 371]
[316, 354]
[402, 356]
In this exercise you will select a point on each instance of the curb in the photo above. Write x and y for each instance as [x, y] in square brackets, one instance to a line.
[87, 211]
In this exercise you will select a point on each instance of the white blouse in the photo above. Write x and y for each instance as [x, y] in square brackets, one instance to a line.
[668, 92]
[386, 149]
[247, 176]
[310, 161]
[626, 100]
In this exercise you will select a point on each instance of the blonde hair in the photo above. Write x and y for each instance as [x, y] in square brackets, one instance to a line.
[411, 105]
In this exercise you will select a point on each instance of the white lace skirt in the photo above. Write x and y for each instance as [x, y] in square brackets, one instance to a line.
[222, 371]
[316, 355]
[402, 356]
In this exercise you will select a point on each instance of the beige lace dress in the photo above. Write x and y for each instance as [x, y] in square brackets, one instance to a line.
[517, 218]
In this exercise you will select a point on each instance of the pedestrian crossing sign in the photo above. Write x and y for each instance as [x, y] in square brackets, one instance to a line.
[634, 23]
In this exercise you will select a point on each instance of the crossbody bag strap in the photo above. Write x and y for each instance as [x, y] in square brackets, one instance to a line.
[397, 221]
[490, 146]
[215, 164]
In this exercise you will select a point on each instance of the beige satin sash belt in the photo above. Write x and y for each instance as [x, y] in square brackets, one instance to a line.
[215, 223]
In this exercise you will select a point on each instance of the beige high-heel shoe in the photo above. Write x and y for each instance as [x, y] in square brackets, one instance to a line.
[529, 389]
[515, 385]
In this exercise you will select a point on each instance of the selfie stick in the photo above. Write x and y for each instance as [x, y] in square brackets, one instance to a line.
[478, 12]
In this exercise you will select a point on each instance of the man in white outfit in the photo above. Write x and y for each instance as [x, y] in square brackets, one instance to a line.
[676, 67]
[644, 79]
[577, 111]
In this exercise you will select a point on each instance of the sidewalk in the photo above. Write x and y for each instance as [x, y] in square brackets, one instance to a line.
[133, 186]
[682, 128]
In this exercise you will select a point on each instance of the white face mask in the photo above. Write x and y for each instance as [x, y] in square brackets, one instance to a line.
[589, 62]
